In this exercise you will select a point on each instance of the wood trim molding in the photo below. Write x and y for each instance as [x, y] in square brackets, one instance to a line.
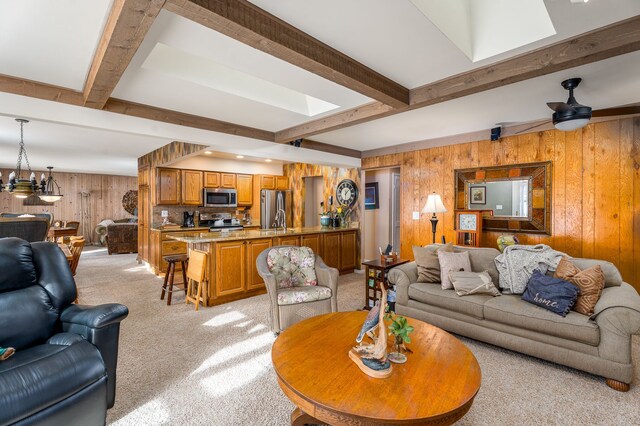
[603, 43]
[125, 30]
[182, 119]
[259, 29]
[333, 149]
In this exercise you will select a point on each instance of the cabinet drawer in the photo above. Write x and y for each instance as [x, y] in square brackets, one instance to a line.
[173, 247]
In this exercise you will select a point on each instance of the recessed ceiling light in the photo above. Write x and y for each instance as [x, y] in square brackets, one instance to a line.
[268, 160]
[208, 152]
[239, 156]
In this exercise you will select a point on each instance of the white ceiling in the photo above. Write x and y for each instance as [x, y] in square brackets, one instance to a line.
[54, 44]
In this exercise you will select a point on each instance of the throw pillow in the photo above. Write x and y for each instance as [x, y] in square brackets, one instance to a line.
[6, 353]
[467, 283]
[427, 262]
[292, 266]
[590, 282]
[553, 294]
[452, 262]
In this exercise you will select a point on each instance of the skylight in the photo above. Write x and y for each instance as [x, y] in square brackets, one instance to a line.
[208, 73]
[485, 28]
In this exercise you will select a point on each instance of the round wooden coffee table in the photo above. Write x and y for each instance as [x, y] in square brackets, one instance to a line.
[436, 386]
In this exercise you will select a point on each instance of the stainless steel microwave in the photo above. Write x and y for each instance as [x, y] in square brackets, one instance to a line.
[219, 197]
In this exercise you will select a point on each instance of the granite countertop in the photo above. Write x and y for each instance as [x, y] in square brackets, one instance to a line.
[158, 228]
[213, 237]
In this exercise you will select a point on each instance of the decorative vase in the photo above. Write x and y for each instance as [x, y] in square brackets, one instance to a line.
[397, 355]
[336, 222]
[325, 221]
[344, 223]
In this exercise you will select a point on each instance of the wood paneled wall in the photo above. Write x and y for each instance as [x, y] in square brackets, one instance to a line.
[595, 189]
[104, 201]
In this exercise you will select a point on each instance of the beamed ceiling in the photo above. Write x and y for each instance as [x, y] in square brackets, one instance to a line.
[105, 81]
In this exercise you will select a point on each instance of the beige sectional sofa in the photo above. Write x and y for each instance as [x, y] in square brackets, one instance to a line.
[600, 344]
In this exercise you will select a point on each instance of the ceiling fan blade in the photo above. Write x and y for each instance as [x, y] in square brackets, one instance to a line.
[532, 127]
[560, 107]
[622, 110]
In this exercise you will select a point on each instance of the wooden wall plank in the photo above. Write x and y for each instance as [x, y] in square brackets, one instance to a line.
[626, 199]
[635, 155]
[573, 193]
[588, 191]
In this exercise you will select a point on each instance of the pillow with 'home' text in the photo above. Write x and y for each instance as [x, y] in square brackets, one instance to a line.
[552, 294]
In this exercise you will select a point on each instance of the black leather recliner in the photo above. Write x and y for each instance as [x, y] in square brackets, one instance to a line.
[64, 368]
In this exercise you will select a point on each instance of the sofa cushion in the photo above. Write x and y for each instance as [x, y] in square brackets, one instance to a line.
[612, 275]
[16, 256]
[468, 283]
[38, 377]
[590, 282]
[301, 294]
[433, 294]
[292, 266]
[450, 262]
[511, 310]
[481, 258]
[553, 294]
[428, 263]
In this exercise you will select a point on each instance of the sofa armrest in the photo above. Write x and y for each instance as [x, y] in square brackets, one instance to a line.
[328, 277]
[94, 316]
[100, 325]
[623, 296]
[402, 276]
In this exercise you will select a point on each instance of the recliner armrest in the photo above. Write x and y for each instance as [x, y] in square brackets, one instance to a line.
[94, 316]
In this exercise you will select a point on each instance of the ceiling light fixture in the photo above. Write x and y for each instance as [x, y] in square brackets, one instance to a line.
[208, 152]
[240, 156]
[268, 160]
[23, 188]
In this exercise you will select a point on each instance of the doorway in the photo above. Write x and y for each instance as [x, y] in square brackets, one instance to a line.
[381, 225]
[313, 196]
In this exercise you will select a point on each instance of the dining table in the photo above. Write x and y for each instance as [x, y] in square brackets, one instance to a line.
[61, 231]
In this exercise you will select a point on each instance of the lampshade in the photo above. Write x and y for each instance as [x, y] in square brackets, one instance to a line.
[434, 204]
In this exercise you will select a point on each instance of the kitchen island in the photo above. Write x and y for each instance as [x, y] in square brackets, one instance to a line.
[232, 255]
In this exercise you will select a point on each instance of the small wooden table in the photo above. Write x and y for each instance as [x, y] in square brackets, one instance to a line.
[66, 251]
[54, 233]
[375, 276]
[436, 386]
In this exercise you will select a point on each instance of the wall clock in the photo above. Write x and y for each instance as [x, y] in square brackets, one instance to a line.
[347, 193]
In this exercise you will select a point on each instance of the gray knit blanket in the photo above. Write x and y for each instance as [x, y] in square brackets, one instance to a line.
[517, 263]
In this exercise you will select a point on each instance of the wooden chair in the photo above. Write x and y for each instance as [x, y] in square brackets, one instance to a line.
[31, 229]
[72, 224]
[75, 246]
[198, 289]
[168, 285]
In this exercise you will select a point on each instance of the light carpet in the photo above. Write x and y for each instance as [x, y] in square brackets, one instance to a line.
[213, 367]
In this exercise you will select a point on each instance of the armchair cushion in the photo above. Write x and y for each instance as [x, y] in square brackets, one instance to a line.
[302, 294]
[292, 266]
[94, 316]
[38, 377]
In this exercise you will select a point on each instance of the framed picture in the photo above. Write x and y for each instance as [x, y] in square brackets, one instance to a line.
[371, 199]
[478, 195]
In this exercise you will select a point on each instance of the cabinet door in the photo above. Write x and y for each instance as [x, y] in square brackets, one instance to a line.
[282, 182]
[245, 190]
[212, 179]
[331, 249]
[291, 240]
[168, 187]
[267, 182]
[254, 248]
[230, 267]
[312, 241]
[347, 250]
[228, 180]
[192, 188]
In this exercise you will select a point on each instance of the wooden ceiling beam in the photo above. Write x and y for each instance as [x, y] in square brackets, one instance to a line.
[124, 31]
[597, 45]
[333, 149]
[247, 23]
[35, 89]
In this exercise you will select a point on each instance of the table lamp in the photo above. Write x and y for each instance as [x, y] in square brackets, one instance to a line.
[434, 205]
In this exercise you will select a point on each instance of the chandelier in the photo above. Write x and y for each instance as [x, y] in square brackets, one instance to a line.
[23, 188]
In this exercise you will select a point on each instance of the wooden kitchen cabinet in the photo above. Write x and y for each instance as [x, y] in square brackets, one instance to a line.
[143, 223]
[348, 254]
[230, 268]
[282, 182]
[289, 240]
[267, 182]
[192, 184]
[312, 241]
[168, 187]
[228, 180]
[254, 248]
[331, 249]
[245, 189]
[212, 180]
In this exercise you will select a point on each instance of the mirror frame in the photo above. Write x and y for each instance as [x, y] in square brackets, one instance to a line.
[538, 220]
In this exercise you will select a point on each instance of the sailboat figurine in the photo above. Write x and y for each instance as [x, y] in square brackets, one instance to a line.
[372, 358]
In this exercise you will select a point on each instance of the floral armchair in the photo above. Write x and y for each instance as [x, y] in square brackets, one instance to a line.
[299, 284]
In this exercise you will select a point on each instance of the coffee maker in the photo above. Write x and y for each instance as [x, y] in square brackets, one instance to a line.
[188, 221]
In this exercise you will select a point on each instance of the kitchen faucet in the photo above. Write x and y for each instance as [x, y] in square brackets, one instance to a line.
[280, 220]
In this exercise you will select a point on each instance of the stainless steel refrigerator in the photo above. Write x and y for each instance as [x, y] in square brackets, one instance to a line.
[270, 202]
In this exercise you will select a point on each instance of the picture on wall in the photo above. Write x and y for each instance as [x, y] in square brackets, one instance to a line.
[478, 195]
[371, 199]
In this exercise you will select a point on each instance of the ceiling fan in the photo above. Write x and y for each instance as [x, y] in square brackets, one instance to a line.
[572, 115]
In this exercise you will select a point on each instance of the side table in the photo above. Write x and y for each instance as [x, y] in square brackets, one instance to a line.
[375, 276]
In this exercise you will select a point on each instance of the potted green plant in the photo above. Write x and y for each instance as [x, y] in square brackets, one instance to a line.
[400, 329]
[325, 218]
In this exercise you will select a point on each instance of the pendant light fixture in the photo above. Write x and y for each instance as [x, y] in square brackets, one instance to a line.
[23, 188]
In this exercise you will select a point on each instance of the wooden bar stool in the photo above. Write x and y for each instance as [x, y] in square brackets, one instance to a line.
[171, 269]
[198, 290]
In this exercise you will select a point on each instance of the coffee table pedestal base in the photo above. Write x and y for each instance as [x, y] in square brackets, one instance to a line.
[300, 418]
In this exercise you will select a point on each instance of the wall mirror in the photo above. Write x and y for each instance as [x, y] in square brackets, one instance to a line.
[516, 198]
